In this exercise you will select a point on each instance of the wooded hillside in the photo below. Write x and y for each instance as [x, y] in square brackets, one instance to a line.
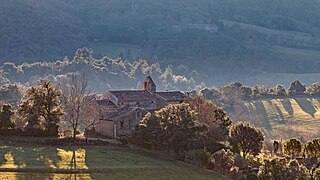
[223, 40]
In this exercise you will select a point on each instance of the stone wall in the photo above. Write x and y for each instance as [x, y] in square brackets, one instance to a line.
[105, 128]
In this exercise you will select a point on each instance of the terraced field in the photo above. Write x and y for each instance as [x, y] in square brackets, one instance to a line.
[284, 118]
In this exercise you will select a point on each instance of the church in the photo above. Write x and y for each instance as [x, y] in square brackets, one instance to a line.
[119, 111]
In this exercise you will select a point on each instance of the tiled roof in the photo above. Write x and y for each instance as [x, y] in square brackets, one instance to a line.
[172, 95]
[104, 102]
[114, 115]
[132, 95]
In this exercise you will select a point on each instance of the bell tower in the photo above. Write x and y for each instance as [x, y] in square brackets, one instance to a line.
[149, 85]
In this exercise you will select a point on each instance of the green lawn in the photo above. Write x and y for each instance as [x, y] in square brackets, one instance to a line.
[96, 162]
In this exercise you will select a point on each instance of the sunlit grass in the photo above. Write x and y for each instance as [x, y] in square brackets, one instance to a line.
[9, 161]
[67, 161]
[97, 162]
[291, 117]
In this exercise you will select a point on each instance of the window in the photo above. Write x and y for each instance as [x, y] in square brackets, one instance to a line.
[121, 124]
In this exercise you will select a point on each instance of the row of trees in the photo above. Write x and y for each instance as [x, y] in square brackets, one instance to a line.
[234, 93]
[237, 150]
[280, 168]
[197, 124]
[45, 107]
[294, 148]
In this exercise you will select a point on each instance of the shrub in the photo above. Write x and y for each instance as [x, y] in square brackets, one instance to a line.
[273, 169]
[312, 148]
[124, 140]
[53, 129]
[37, 132]
[292, 147]
[316, 174]
[278, 169]
[67, 133]
[78, 132]
[222, 161]
[203, 156]
[297, 171]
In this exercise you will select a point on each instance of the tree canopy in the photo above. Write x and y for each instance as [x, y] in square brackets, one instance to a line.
[6, 117]
[174, 127]
[247, 138]
[42, 107]
[292, 147]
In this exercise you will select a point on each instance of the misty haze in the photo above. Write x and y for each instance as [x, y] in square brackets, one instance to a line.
[159, 89]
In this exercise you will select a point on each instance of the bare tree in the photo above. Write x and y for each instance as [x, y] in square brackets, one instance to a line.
[76, 105]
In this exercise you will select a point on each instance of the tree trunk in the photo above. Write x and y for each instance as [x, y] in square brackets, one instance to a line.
[74, 134]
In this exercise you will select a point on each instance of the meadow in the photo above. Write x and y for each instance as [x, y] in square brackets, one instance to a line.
[284, 118]
[94, 162]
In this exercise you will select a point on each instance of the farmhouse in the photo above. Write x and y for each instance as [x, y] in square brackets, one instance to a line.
[121, 110]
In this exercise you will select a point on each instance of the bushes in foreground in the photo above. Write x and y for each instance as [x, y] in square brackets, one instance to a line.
[28, 132]
[277, 168]
[222, 161]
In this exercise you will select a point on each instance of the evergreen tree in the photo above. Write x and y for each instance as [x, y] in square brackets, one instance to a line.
[6, 114]
[42, 107]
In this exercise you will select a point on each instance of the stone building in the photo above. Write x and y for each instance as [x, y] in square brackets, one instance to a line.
[121, 110]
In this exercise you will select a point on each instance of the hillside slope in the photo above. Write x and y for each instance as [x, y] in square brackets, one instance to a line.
[222, 40]
[283, 118]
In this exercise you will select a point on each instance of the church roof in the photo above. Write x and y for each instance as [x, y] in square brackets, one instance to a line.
[104, 102]
[115, 115]
[172, 95]
[136, 95]
[132, 95]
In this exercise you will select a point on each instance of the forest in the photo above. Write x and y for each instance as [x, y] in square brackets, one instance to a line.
[221, 40]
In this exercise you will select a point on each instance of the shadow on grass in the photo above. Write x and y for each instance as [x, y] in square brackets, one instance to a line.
[45, 160]
[279, 115]
[287, 106]
[97, 162]
[263, 113]
[306, 106]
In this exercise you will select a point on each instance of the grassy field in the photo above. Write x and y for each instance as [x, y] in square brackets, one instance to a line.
[268, 31]
[96, 162]
[284, 118]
